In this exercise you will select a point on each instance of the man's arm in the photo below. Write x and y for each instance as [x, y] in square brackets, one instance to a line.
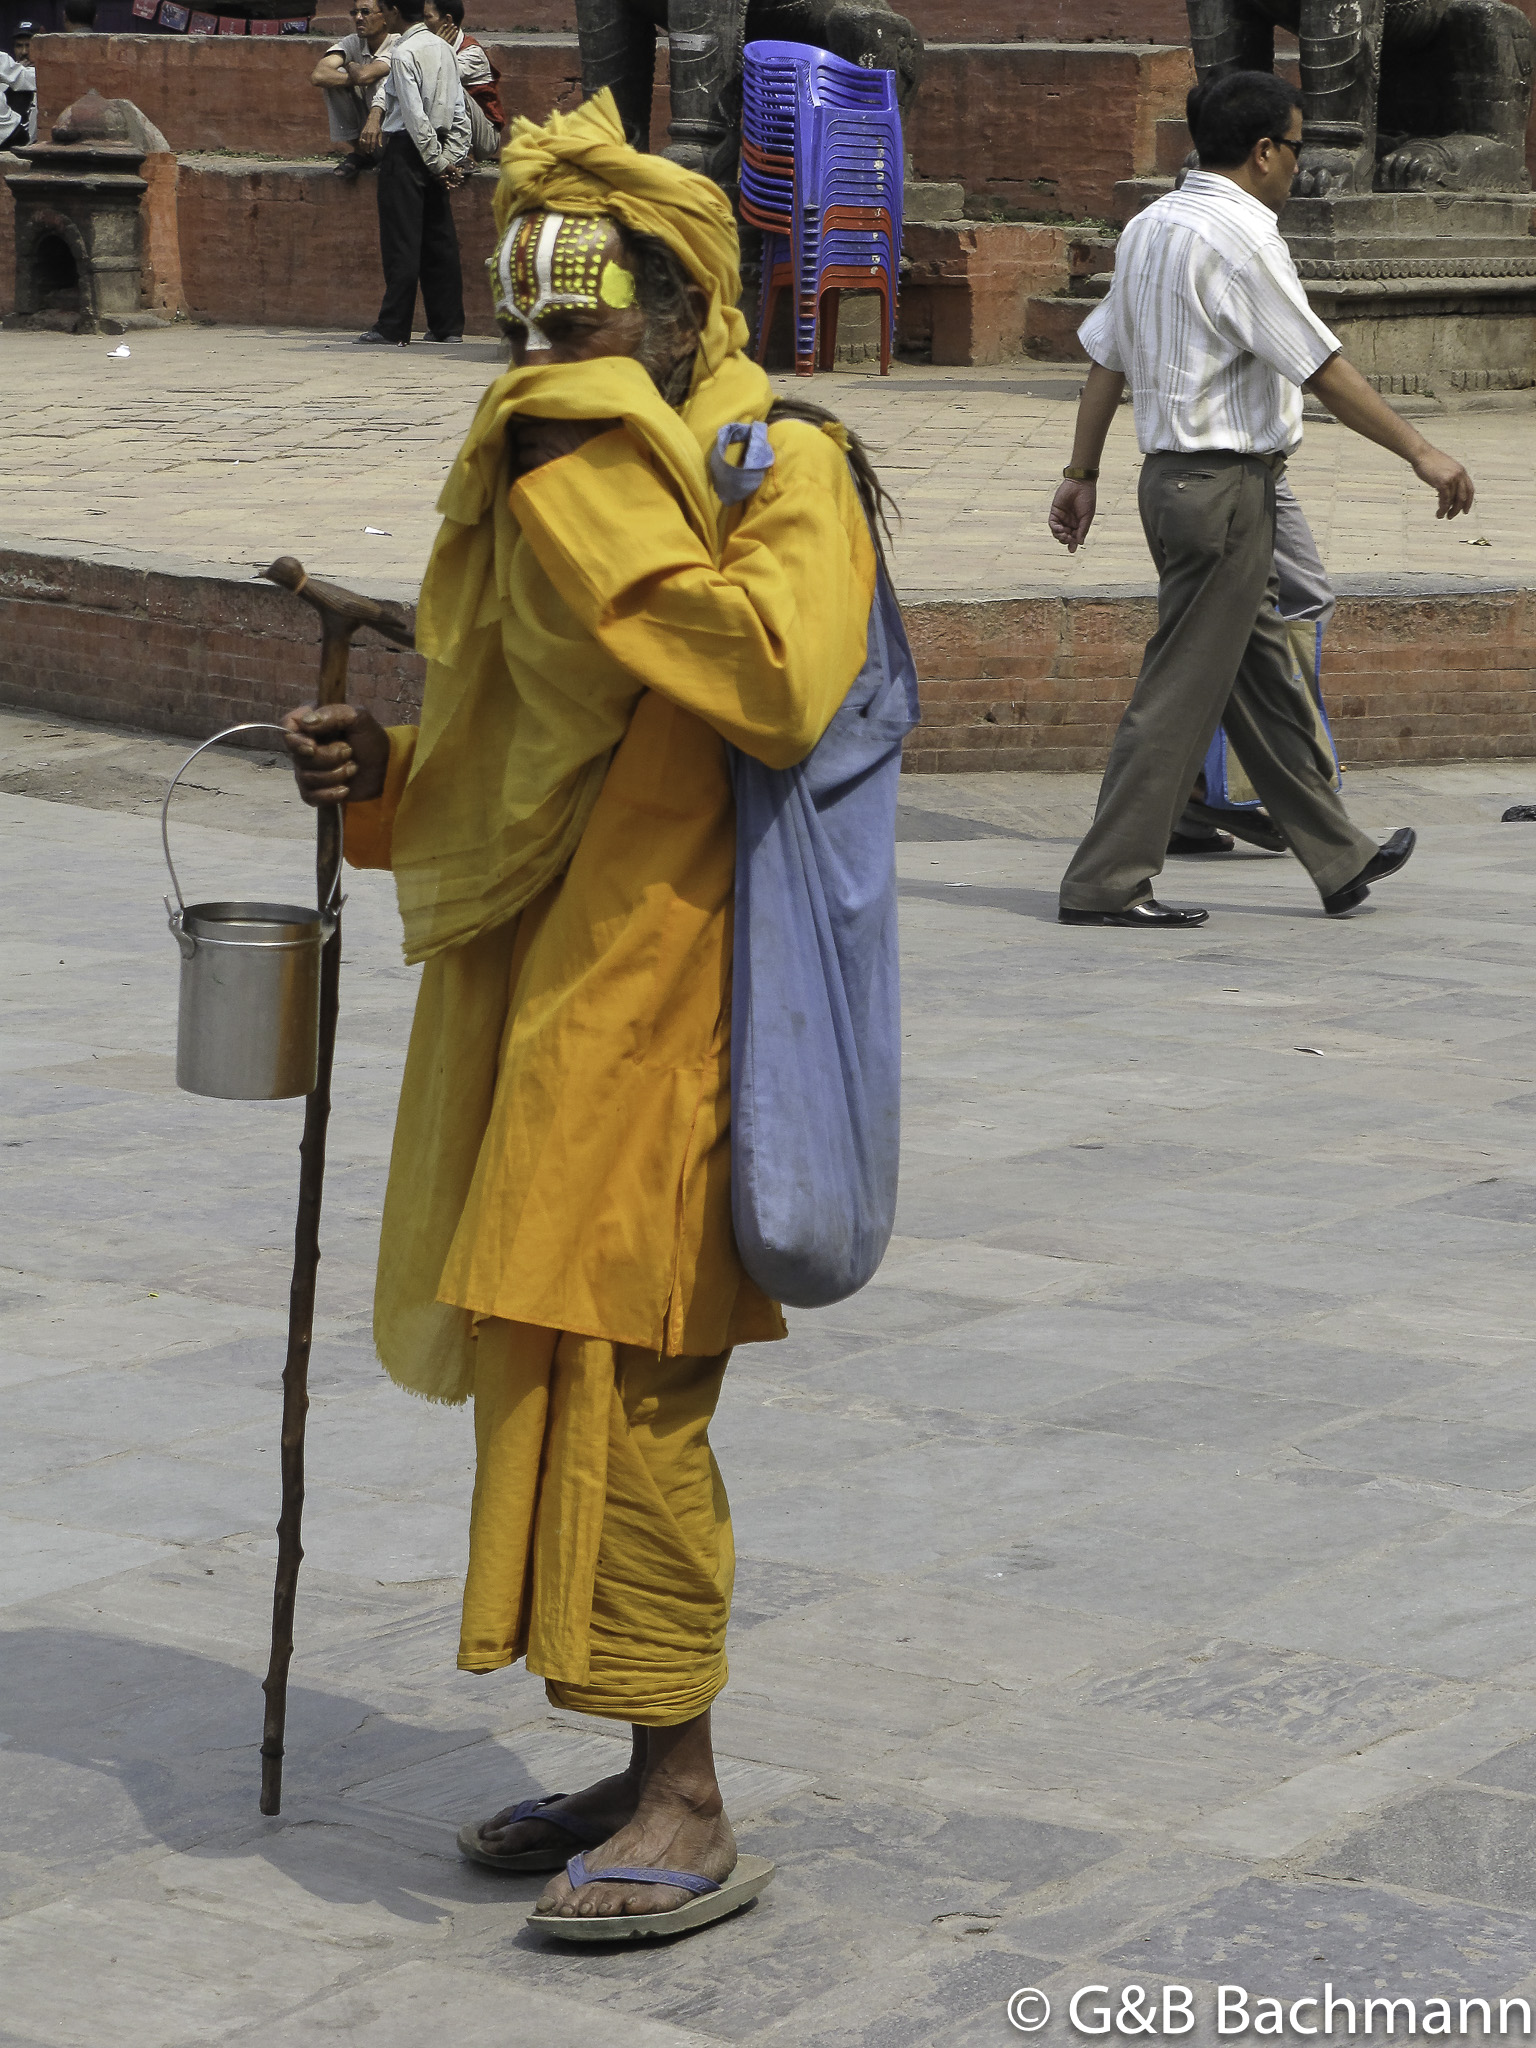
[413, 111]
[460, 136]
[331, 72]
[1073, 506]
[369, 72]
[1340, 386]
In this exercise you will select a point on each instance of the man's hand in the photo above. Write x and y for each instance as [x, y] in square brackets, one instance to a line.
[340, 753]
[532, 442]
[1072, 511]
[373, 132]
[1340, 386]
[1445, 475]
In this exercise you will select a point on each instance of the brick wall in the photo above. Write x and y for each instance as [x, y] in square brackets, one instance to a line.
[1016, 683]
[1043, 128]
[937, 21]
[1035, 126]
[289, 245]
[232, 93]
[181, 654]
[1443, 675]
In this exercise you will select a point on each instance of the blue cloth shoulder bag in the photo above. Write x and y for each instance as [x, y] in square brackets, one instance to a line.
[816, 1000]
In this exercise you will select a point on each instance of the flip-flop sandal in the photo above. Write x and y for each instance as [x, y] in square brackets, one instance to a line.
[541, 1861]
[710, 1901]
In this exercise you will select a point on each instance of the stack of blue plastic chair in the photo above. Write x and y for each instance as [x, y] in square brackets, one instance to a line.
[821, 175]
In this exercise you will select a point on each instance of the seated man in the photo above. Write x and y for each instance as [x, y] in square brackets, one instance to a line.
[557, 1239]
[352, 74]
[477, 74]
[18, 93]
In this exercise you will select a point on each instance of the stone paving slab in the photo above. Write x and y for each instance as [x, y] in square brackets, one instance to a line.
[1135, 1579]
[216, 449]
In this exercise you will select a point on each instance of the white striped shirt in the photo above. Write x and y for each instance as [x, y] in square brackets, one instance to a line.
[1208, 320]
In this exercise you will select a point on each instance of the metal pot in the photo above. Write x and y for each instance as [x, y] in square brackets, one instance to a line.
[248, 1021]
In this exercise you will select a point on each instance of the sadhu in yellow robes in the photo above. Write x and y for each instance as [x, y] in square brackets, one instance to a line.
[557, 1235]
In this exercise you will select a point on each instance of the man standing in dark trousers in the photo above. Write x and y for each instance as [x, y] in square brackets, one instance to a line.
[1207, 317]
[426, 140]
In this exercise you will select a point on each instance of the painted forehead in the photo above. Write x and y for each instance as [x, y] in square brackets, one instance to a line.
[556, 261]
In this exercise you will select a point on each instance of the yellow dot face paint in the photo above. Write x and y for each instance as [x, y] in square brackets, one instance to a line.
[556, 261]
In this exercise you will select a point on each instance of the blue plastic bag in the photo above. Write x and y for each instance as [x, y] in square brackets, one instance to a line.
[816, 1005]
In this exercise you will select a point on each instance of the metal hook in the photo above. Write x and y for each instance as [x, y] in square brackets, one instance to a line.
[255, 725]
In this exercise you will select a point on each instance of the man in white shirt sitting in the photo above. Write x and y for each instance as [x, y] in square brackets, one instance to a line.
[477, 74]
[426, 142]
[18, 93]
[1209, 321]
[350, 73]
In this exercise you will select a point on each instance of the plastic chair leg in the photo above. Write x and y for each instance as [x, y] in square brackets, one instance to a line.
[829, 307]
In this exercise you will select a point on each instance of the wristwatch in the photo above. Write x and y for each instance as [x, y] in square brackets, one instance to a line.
[1080, 476]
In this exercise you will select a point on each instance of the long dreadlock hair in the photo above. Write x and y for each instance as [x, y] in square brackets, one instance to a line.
[662, 291]
[877, 501]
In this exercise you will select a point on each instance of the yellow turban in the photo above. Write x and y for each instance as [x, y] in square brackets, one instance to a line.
[580, 163]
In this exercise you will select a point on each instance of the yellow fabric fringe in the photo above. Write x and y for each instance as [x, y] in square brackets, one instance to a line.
[600, 1538]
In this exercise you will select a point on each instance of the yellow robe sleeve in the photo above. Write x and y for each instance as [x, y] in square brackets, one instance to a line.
[368, 829]
[763, 647]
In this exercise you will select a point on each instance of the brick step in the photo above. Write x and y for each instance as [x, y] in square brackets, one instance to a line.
[1028, 128]
[1050, 327]
[1172, 147]
[1132, 194]
[967, 283]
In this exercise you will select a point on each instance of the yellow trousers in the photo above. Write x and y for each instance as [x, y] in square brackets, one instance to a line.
[600, 1537]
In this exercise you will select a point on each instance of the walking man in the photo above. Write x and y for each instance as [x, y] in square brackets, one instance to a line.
[1207, 318]
[603, 612]
[426, 140]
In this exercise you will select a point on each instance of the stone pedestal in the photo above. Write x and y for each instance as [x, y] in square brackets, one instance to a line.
[1429, 292]
[88, 259]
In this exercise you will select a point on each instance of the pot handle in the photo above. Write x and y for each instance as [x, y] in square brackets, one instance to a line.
[255, 725]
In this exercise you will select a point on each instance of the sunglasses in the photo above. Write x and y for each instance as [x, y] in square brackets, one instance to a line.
[1285, 142]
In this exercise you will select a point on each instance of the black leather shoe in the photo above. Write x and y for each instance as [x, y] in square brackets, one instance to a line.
[1385, 861]
[1149, 915]
[1254, 828]
[377, 340]
[1193, 844]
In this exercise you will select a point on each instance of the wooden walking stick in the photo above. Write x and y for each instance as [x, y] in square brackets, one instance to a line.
[341, 613]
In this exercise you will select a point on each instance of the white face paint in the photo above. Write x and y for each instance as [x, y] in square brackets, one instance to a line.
[551, 262]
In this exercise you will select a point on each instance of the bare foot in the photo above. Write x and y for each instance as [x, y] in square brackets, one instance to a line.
[600, 1809]
[667, 1833]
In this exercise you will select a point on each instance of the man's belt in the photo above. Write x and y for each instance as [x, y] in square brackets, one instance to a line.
[1274, 460]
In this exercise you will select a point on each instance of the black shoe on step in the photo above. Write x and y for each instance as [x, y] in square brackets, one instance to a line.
[1385, 861]
[1149, 915]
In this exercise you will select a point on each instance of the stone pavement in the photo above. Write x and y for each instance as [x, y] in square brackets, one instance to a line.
[1136, 1580]
[218, 448]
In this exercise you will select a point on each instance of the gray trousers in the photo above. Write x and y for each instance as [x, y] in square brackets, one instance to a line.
[1220, 656]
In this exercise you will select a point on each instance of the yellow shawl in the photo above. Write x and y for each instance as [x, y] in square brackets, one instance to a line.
[521, 709]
